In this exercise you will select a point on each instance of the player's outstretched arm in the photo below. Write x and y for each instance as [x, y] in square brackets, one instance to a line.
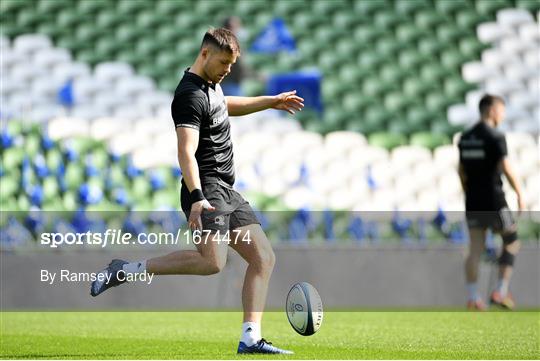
[288, 101]
[513, 180]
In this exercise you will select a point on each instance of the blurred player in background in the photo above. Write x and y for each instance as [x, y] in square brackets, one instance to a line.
[483, 157]
[201, 116]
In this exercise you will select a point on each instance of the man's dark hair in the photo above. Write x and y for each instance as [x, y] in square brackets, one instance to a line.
[487, 102]
[223, 39]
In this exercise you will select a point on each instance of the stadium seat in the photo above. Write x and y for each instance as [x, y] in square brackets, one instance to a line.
[386, 140]
[429, 140]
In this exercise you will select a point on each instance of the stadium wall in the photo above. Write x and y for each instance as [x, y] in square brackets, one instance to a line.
[345, 277]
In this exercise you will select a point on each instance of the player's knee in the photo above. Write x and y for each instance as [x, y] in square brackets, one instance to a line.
[510, 237]
[215, 265]
[265, 260]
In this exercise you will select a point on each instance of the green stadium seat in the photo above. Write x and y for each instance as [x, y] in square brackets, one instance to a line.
[128, 33]
[389, 47]
[149, 46]
[490, 7]
[328, 61]
[52, 30]
[14, 6]
[430, 46]
[419, 116]
[74, 176]
[438, 100]
[412, 59]
[454, 87]
[409, 33]
[452, 59]
[397, 101]
[346, 20]
[166, 198]
[28, 19]
[416, 87]
[368, 8]
[367, 34]
[89, 33]
[471, 47]
[12, 158]
[72, 44]
[109, 20]
[375, 87]
[53, 158]
[109, 47]
[386, 140]
[209, 7]
[131, 7]
[470, 19]
[430, 19]
[168, 7]
[153, 71]
[247, 8]
[93, 7]
[450, 33]
[23, 203]
[131, 57]
[68, 18]
[386, 19]
[173, 34]
[150, 20]
[411, 6]
[325, 7]
[32, 145]
[378, 116]
[70, 201]
[51, 6]
[50, 188]
[434, 73]
[8, 187]
[371, 60]
[393, 73]
[429, 140]
[532, 5]
[452, 6]
[53, 205]
[168, 84]
[11, 29]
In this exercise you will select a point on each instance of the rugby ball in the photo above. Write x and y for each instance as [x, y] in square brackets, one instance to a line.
[304, 309]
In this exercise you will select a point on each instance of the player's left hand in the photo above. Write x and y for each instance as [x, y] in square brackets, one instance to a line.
[289, 102]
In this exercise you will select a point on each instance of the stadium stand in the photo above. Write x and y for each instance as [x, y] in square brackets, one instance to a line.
[400, 79]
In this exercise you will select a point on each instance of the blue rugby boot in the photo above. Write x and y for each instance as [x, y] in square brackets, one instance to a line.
[262, 346]
[111, 274]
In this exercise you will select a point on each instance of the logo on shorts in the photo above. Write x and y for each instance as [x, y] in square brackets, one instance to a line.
[220, 220]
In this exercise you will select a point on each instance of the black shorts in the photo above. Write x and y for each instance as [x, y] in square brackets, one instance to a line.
[498, 221]
[232, 210]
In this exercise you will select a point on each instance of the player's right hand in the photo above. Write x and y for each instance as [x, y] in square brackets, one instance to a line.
[194, 221]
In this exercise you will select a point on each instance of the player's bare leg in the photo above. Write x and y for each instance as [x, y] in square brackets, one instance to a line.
[501, 296]
[260, 257]
[209, 258]
[477, 238]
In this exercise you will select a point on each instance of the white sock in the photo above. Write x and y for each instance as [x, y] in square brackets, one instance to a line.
[251, 333]
[472, 291]
[502, 287]
[135, 267]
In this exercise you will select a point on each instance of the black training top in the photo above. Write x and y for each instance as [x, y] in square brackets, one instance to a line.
[481, 149]
[201, 105]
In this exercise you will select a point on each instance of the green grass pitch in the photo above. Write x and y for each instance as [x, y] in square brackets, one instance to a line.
[214, 335]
